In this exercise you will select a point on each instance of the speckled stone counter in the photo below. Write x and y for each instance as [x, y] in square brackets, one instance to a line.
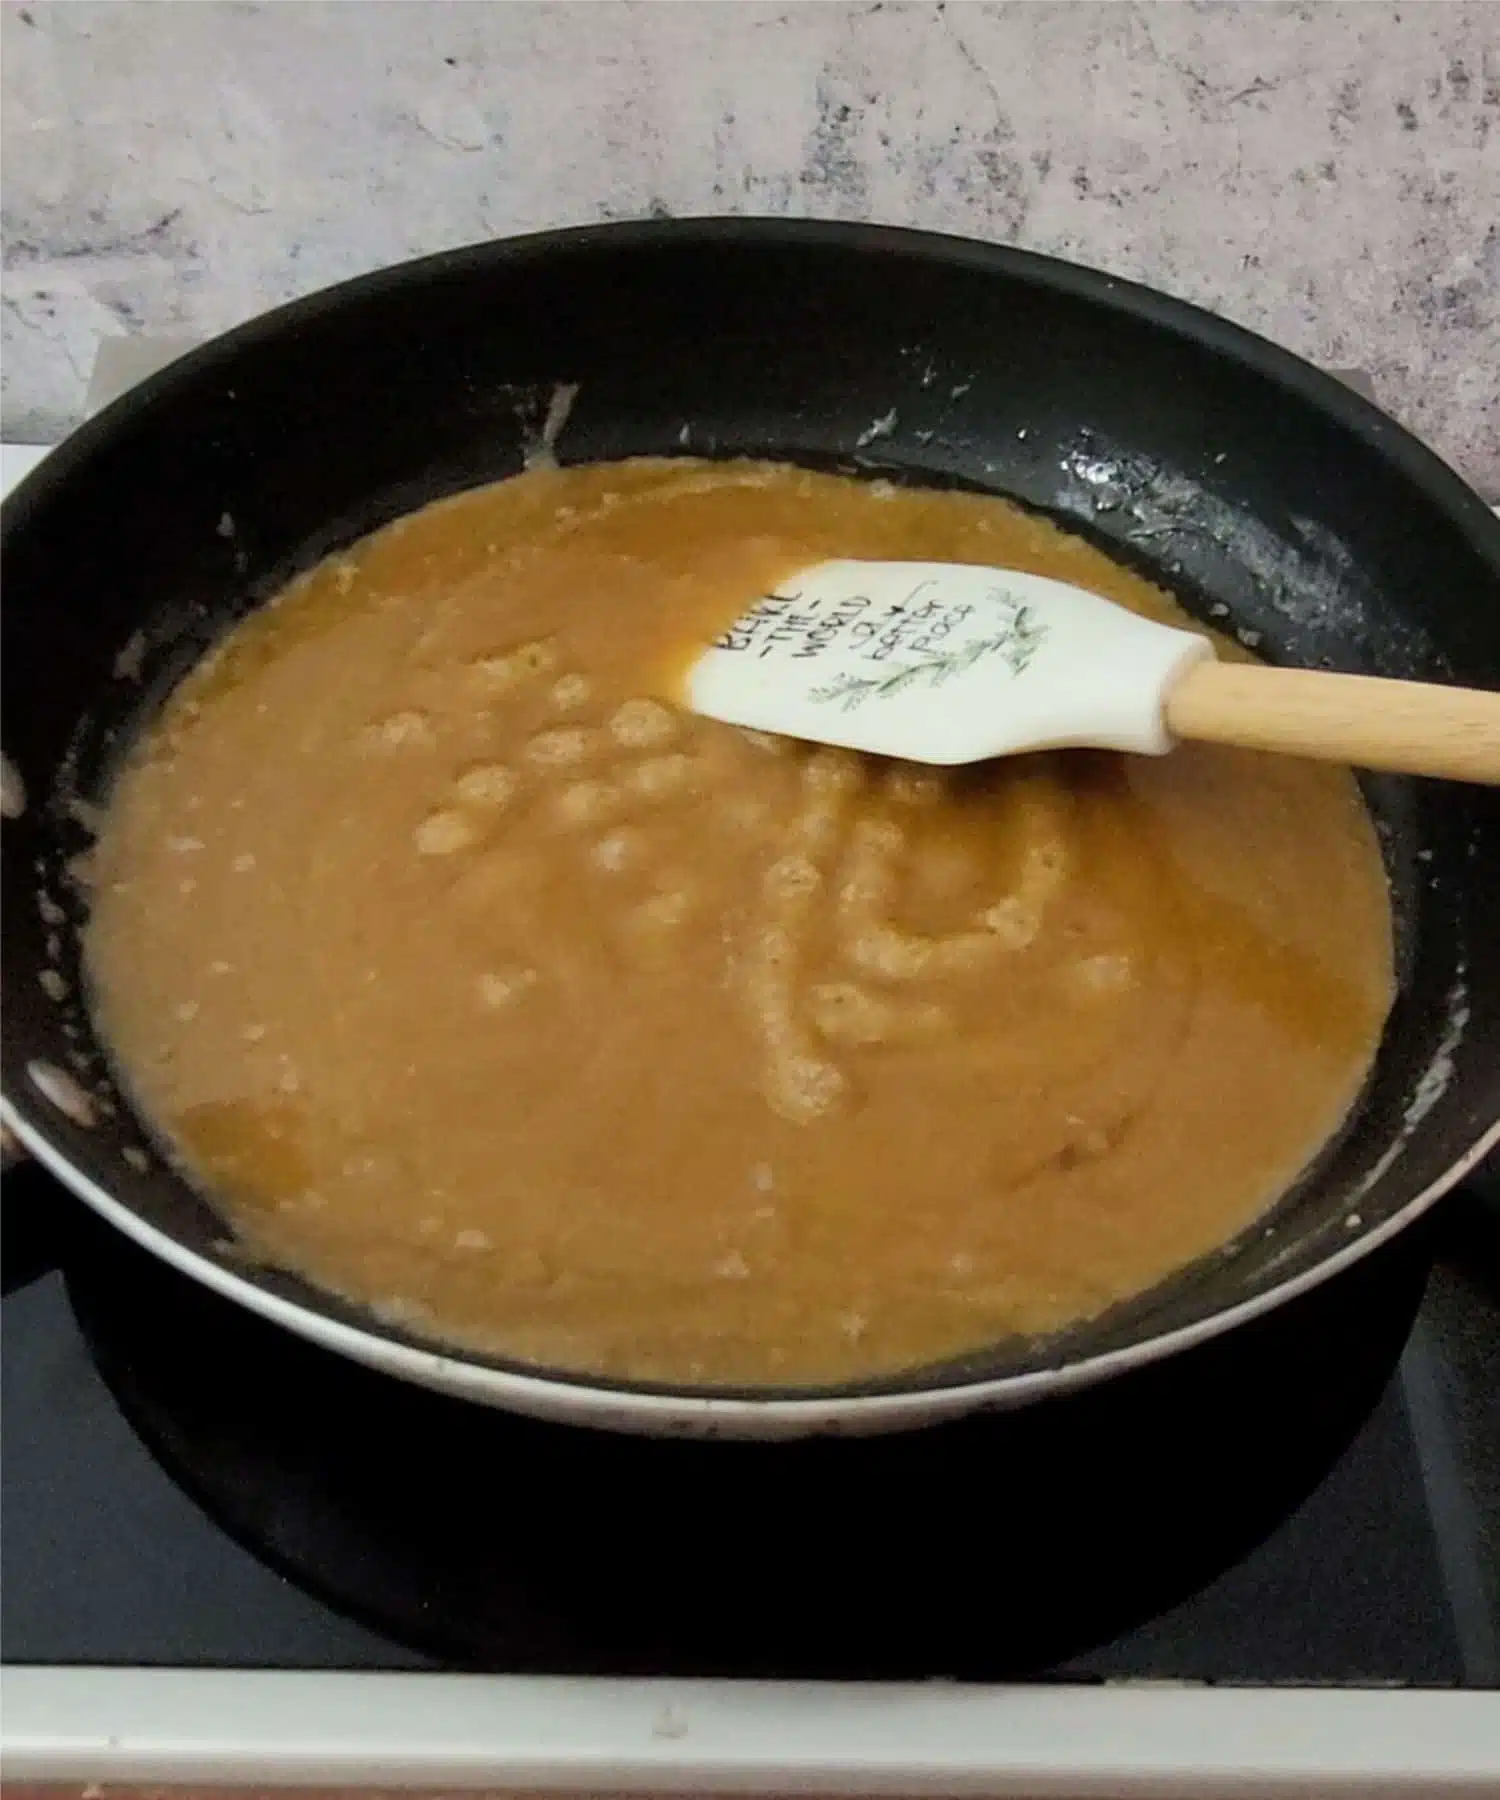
[1327, 174]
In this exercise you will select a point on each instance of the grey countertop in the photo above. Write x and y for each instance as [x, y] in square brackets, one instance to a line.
[1326, 174]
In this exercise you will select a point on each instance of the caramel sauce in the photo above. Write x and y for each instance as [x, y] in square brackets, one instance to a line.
[479, 982]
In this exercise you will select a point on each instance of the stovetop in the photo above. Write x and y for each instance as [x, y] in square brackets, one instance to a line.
[1315, 1499]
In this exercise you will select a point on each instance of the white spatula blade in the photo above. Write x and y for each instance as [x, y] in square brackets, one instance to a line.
[943, 663]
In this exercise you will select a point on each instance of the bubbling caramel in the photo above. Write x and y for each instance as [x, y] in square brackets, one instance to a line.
[479, 982]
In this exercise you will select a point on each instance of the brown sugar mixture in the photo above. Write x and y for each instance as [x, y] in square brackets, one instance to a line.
[480, 982]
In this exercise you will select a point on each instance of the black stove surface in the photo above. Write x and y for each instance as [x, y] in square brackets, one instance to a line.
[1314, 1499]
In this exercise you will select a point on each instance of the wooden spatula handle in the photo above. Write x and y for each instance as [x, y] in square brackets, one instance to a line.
[1408, 727]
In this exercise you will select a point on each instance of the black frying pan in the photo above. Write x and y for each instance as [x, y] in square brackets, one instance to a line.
[1225, 468]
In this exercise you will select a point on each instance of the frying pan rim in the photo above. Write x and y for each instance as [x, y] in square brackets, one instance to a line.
[1436, 478]
[661, 1407]
[665, 1411]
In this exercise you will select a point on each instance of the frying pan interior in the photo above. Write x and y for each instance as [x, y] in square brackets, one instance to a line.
[1263, 493]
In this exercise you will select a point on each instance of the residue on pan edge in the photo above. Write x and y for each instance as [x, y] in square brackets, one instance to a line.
[12, 790]
[1434, 1080]
[127, 664]
[877, 428]
[540, 452]
[1431, 1085]
[1314, 586]
[87, 1094]
[59, 1089]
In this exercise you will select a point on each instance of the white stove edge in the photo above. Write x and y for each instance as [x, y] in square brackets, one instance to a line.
[1130, 1741]
[1127, 1742]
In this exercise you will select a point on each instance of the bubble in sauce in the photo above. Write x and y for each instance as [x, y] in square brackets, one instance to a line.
[643, 725]
[500, 673]
[620, 850]
[404, 730]
[587, 802]
[487, 784]
[503, 987]
[444, 833]
[658, 777]
[561, 748]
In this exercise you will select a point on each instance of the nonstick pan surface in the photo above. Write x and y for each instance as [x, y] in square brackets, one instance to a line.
[1266, 495]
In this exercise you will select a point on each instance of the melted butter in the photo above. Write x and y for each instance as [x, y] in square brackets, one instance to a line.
[482, 984]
